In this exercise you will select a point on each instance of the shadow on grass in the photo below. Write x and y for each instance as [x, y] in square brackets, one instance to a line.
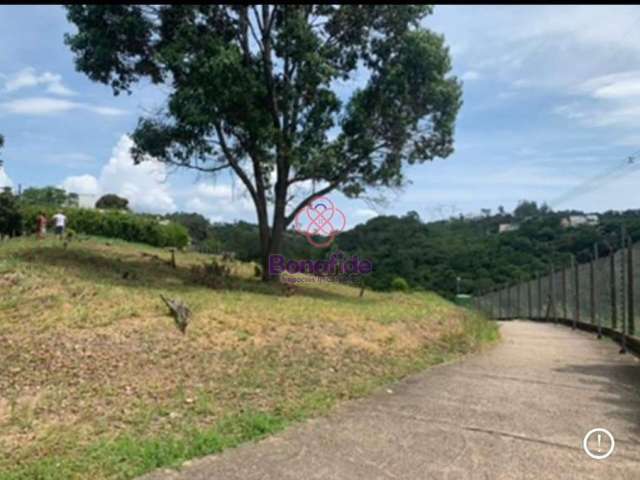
[144, 270]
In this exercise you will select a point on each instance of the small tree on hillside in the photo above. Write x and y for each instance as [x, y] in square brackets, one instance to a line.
[259, 90]
[111, 201]
[526, 209]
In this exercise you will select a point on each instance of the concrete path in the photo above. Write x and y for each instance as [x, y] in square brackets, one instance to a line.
[517, 411]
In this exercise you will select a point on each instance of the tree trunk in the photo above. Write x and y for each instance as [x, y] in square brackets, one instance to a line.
[279, 224]
[273, 246]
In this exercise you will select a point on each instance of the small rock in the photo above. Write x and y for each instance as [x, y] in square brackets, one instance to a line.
[389, 390]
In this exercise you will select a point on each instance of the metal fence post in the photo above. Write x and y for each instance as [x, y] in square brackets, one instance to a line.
[539, 278]
[494, 303]
[594, 313]
[576, 270]
[552, 294]
[508, 301]
[565, 315]
[529, 300]
[592, 291]
[612, 275]
[623, 284]
[632, 323]
[518, 298]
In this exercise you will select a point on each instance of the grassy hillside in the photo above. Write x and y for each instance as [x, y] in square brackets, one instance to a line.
[97, 382]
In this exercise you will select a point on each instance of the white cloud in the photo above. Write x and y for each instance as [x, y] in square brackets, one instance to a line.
[28, 77]
[5, 180]
[545, 46]
[364, 214]
[621, 85]
[82, 184]
[214, 192]
[48, 105]
[220, 201]
[147, 188]
[470, 75]
[144, 185]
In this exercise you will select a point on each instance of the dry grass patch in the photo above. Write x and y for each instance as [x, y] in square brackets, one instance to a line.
[93, 366]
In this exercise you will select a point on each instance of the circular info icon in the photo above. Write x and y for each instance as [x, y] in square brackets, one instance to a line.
[598, 443]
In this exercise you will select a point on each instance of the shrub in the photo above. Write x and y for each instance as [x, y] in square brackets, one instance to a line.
[111, 201]
[116, 224]
[399, 284]
[10, 216]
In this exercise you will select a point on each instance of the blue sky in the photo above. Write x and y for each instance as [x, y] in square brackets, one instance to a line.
[551, 98]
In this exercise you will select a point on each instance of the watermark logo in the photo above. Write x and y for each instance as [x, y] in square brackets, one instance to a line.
[338, 264]
[320, 218]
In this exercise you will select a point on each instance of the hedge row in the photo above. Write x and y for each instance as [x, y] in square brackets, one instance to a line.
[114, 224]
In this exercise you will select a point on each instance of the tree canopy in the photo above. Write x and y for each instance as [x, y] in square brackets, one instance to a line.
[11, 221]
[111, 201]
[48, 196]
[259, 90]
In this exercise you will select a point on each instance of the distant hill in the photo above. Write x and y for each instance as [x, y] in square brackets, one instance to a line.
[433, 255]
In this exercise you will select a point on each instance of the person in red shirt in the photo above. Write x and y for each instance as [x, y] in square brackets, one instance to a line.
[41, 225]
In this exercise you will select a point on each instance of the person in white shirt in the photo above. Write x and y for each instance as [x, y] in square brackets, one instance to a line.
[59, 223]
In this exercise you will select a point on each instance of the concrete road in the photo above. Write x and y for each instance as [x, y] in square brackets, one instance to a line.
[517, 411]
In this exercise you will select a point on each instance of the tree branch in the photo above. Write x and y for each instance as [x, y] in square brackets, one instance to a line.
[235, 165]
[198, 168]
[323, 191]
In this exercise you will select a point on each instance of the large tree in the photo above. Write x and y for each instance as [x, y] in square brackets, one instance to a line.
[262, 90]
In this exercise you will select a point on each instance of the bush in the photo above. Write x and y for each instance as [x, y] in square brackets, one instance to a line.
[111, 201]
[116, 224]
[10, 216]
[399, 284]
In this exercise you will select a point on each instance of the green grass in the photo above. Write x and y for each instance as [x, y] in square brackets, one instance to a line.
[101, 384]
[128, 456]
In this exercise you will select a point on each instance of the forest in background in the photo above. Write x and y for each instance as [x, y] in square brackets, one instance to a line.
[433, 255]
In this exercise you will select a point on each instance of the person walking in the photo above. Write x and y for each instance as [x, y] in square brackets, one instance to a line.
[59, 222]
[41, 225]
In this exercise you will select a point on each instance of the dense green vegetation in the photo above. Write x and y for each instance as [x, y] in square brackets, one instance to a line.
[50, 196]
[433, 255]
[10, 216]
[114, 224]
[241, 238]
[404, 249]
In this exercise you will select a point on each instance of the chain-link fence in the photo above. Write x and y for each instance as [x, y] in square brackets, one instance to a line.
[602, 295]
